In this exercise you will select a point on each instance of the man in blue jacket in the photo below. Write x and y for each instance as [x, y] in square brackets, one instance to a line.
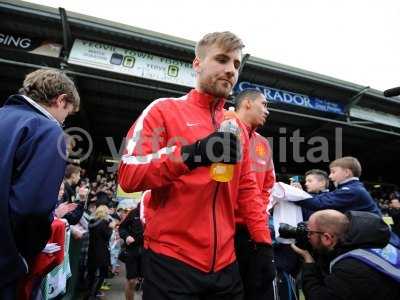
[32, 152]
[350, 193]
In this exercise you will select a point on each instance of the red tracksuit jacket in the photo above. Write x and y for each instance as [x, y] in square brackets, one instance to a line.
[193, 220]
[263, 167]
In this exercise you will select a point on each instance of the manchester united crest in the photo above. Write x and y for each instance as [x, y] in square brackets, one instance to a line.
[261, 151]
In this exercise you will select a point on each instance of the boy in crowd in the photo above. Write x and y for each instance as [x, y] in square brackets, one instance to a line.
[350, 193]
[317, 181]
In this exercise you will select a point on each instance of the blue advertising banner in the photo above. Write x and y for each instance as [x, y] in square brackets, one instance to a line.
[275, 95]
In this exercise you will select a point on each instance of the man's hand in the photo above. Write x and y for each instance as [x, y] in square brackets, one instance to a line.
[304, 253]
[112, 224]
[129, 240]
[296, 185]
[218, 147]
[64, 208]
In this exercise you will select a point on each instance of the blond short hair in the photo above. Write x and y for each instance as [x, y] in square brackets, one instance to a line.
[101, 212]
[44, 84]
[226, 40]
[348, 162]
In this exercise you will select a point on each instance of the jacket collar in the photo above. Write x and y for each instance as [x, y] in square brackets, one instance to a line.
[25, 100]
[348, 180]
[250, 130]
[204, 100]
[320, 192]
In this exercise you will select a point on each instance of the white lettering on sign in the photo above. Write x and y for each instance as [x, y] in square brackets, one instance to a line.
[16, 41]
[286, 97]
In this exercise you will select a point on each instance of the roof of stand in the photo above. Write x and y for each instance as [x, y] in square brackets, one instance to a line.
[112, 101]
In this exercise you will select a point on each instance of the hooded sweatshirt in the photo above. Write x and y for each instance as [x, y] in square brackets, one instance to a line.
[351, 278]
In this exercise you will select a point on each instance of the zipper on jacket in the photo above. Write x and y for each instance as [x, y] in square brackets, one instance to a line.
[212, 111]
[214, 218]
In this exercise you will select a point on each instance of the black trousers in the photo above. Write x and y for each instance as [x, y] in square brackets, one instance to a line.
[257, 280]
[9, 292]
[133, 264]
[166, 278]
[95, 283]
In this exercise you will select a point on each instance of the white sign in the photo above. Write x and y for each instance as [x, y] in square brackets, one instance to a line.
[375, 116]
[131, 62]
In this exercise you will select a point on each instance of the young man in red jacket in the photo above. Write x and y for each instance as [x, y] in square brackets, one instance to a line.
[189, 238]
[251, 109]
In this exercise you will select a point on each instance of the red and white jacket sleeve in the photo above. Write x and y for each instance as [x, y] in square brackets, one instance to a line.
[269, 179]
[148, 161]
[251, 203]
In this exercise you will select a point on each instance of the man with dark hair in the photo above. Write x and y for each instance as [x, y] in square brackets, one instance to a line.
[169, 151]
[250, 95]
[359, 267]
[71, 179]
[32, 152]
[251, 109]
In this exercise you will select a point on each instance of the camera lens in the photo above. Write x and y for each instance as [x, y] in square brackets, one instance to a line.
[287, 231]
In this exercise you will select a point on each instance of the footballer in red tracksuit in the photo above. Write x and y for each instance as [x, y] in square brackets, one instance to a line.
[251, 110]
[263, 167]
[256, 287]
[194, 219]
[190, 235]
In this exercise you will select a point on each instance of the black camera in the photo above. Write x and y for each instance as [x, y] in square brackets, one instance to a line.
[299, 233]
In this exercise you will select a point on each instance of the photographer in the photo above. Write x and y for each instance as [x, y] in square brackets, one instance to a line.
[332, 234]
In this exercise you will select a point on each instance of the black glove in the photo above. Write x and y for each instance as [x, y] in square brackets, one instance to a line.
[216, 148]
[262, 266]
